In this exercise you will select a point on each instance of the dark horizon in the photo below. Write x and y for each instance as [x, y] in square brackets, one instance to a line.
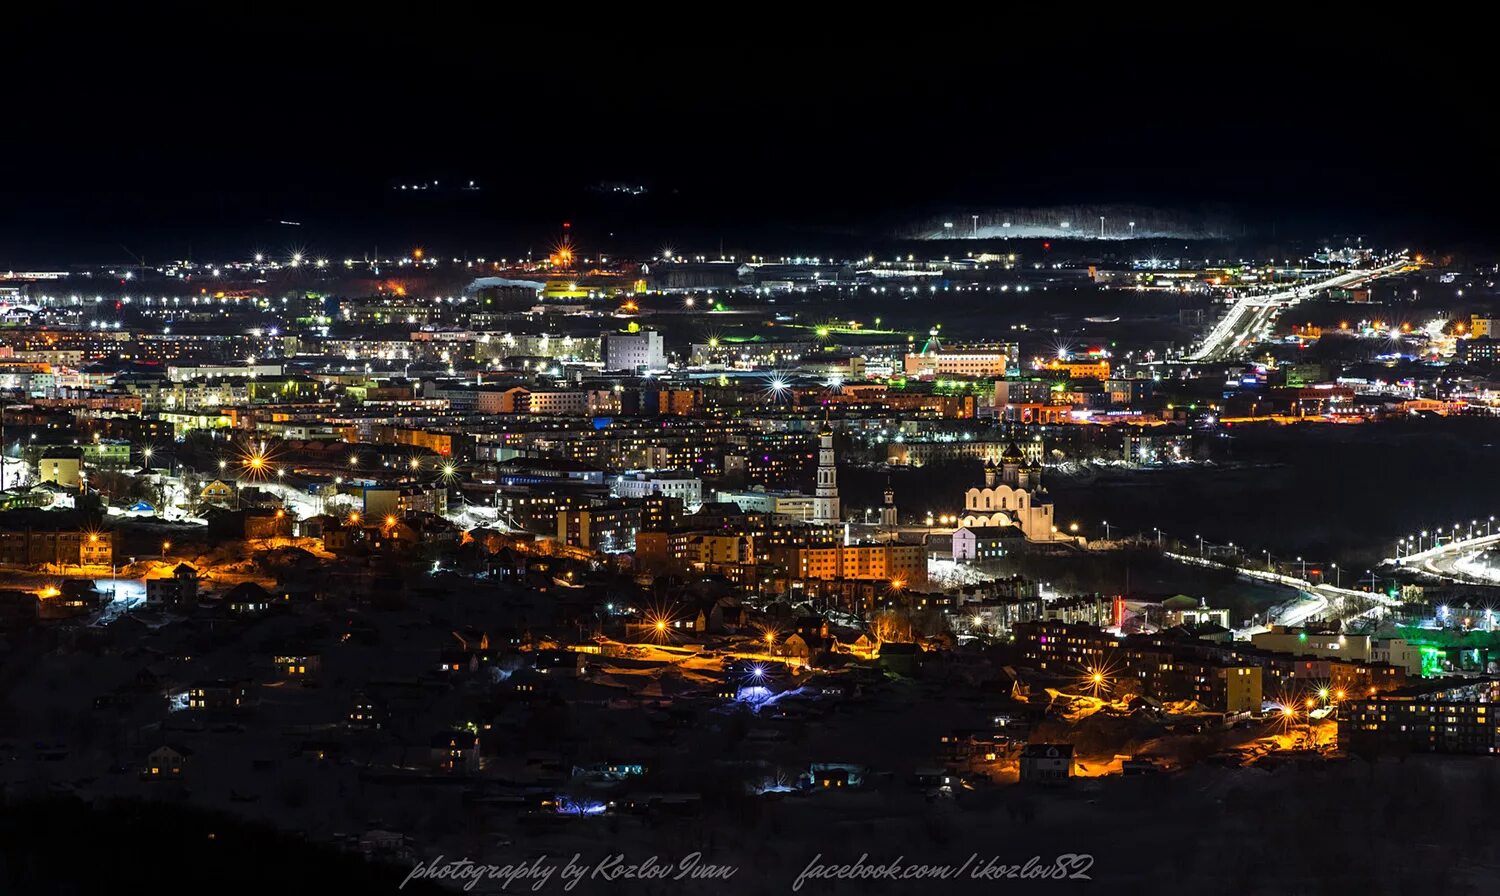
[166, 144]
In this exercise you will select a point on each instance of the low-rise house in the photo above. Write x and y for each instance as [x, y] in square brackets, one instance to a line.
[166, 762]
[457, 662]
[248, 599]
[1046, 763]
[297, 665]
[180, 589]
[365, 714]
[903, 658]
[456, 751]
[218, 492]
[218, 695]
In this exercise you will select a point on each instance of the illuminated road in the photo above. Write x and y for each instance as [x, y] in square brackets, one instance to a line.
[1456, 561]
[1251, 317]
[1312, 601]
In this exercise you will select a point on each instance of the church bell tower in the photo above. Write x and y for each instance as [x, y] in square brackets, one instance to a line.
[826, 497]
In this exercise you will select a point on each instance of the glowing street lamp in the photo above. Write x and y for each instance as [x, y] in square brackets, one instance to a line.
[1096, 680]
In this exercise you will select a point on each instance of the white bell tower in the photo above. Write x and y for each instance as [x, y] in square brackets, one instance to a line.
[826, 497]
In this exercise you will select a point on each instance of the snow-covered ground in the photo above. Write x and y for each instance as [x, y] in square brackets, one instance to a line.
[121, 595]
[952, 574]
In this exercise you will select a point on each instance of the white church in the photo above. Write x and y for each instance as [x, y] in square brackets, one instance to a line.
[1011, 497]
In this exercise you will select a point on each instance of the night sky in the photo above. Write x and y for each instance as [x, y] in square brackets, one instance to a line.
[201, 135]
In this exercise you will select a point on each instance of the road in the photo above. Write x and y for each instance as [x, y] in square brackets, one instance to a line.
[1456, 561]
[1251, 317]
[1312, 600]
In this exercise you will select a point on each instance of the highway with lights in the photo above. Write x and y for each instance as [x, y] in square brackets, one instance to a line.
[1251, 317]
[1460, 560]
[1314, 600]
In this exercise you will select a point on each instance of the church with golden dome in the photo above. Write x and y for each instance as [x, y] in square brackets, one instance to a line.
[1011, 496]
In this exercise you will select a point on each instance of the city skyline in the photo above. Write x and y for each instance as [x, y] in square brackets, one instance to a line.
[751, 451]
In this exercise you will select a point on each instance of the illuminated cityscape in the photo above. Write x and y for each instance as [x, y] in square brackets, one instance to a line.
[602, 479]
